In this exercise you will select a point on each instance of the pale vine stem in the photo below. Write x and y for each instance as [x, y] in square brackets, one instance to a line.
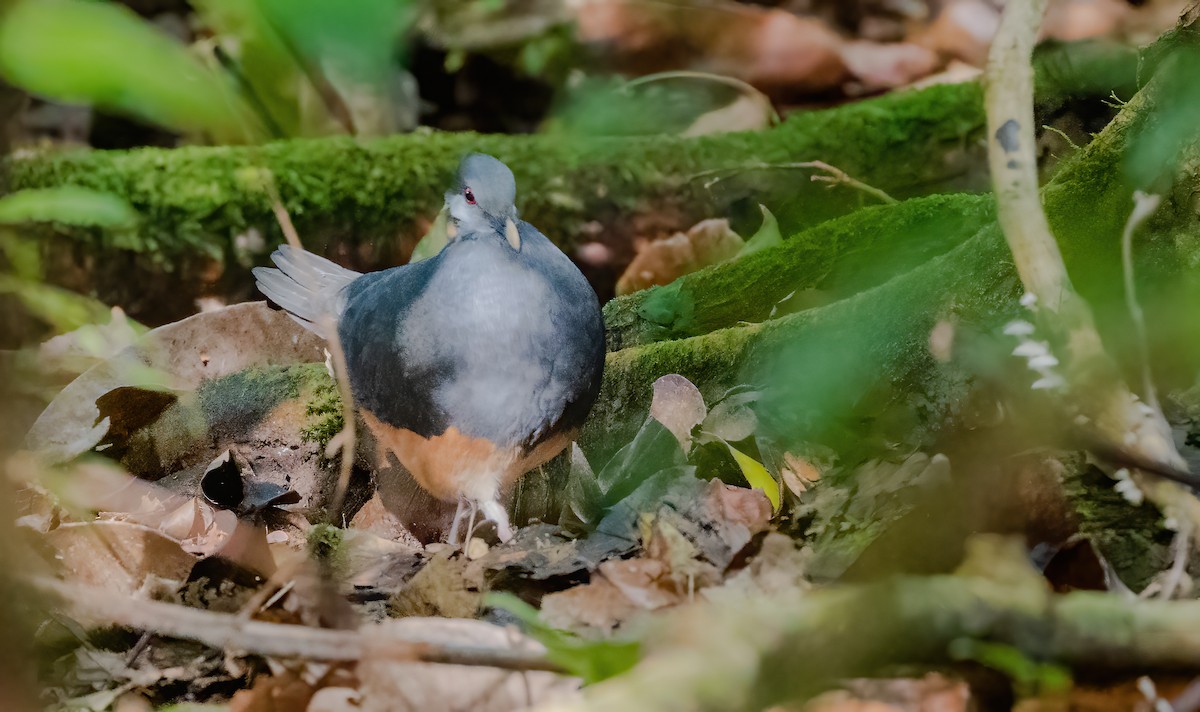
[1120, 422]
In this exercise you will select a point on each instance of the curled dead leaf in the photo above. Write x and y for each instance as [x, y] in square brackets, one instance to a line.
[662, 261]
[118, 556]
[179, 355]
[678, 405]
[645, 582]
[799, 473]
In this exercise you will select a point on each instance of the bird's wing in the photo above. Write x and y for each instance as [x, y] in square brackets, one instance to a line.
[306, 285]
[573, 367]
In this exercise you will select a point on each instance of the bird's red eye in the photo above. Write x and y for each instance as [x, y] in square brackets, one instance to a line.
[469, 196]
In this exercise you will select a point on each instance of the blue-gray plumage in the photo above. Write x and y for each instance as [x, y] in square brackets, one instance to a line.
[473, 366]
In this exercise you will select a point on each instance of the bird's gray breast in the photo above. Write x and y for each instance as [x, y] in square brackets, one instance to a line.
[485, 329]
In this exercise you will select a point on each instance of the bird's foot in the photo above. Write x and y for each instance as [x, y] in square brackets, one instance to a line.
[493, 511]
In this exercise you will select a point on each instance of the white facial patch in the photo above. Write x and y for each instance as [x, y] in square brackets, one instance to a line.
[470, 218]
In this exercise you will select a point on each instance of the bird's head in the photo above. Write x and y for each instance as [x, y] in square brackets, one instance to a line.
[483, 197]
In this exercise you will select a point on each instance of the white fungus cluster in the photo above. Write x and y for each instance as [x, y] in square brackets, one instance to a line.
[1127, 488]
[1036, 353]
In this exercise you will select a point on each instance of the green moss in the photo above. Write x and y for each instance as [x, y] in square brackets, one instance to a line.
[322, 407]
[198, 199]
[831, 261]
[1130, 538]
[235, 403]
[325, 544]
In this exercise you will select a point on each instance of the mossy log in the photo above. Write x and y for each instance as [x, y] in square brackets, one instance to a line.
[367, 202]
[1087, 203]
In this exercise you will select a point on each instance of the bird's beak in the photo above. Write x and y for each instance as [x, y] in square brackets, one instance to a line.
[512, 234]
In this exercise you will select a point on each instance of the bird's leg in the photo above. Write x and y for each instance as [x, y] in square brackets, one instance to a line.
[452, 539]
[470, 523]
[494, 511]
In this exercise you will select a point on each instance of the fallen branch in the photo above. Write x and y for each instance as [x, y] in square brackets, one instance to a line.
[230, 632]
[772, 650]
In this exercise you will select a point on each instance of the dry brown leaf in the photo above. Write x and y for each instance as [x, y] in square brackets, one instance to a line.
[450, 587]
[118, 556]
[195, 349]
[776, 51]
[956, 72]
[739, 507]
[645, 582]
[678, 405]
[335, 699]
[376, 518]
[392, 685]
[285, 692]
[932, 693]
[662, 261]
[880, 66]
[798, 473]
[746, 113]
[367, 559]
[687, 571]
[596, 606]
[778, 567]
[1074, 20]
[963, 30]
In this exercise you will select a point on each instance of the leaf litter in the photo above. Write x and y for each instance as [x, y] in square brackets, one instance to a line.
[196, 524]
[200, 517]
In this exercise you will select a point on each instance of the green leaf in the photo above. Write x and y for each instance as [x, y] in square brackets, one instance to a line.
[590, 660]
[757, 476]
[102, 54]
[62, 309]
[767, 236]
[434, 239]
[69, 204]
[1030, 677]
[356, 40]
[582, 505]
[652, 450]
[271, 74]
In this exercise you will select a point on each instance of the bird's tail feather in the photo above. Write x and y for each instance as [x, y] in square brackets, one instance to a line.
[306, 285]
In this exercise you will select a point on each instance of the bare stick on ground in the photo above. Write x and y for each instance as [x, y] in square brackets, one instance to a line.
[226, 631]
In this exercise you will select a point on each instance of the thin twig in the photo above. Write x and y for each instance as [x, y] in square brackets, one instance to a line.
[1143, 207]
[839, 177]
[281, 213]
[1060, 132]
[347, 439]
[226, 631]
[836, 176]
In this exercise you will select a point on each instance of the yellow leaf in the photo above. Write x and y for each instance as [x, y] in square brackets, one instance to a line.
[757, 475]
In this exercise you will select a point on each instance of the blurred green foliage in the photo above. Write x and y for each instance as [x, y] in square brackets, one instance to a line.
[590, 660]
[69, 204]
[23, 277]
[102, 54]
[276, 69]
